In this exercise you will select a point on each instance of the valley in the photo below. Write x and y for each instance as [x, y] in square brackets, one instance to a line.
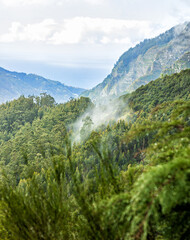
[110, 163]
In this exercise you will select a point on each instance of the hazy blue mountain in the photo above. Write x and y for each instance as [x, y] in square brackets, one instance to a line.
[14, 84]
[144, 63]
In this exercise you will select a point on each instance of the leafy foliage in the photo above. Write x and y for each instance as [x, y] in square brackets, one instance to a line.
[127, 180]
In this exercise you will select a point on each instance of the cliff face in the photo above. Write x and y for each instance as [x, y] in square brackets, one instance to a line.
[144, 63]
[181, 64]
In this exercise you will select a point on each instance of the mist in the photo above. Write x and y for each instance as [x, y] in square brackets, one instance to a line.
[102, 114]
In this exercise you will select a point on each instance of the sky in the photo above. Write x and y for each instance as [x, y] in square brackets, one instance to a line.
[77, 42]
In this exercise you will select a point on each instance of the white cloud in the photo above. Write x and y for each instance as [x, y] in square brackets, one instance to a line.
[31, 32]
[95, 2]
[79, 30]
[16, 3]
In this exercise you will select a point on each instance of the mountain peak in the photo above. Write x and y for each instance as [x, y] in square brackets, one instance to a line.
[144, 62]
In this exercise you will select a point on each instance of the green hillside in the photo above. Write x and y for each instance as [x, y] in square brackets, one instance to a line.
[167, 88]
[128, 179]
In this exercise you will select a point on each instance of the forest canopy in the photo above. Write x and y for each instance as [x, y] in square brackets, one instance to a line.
[129, 179]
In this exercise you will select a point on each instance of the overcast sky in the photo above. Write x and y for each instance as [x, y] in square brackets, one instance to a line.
[78, 41]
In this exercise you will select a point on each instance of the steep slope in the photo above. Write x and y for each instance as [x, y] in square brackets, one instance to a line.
[145, 62]
[182, 63]
[162, 90]
[13, 84]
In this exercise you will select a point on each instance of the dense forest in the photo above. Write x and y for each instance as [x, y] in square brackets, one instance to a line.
[126, 179]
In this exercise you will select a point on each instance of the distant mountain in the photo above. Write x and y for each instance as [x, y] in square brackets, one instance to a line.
[145, 62]
[14, 84]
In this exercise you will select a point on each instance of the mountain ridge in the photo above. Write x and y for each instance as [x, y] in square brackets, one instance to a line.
[144, 62]
[13, 84]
